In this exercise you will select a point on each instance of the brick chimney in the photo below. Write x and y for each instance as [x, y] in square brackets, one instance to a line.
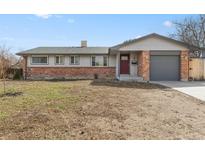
[83, 43]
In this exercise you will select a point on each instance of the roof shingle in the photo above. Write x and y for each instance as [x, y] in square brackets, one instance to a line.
[66, 50]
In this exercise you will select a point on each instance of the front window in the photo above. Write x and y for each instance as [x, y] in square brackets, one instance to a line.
[39, 60]
[99, 61]
[74, 60]
[59, 60]
[105, 61]
[93, 59]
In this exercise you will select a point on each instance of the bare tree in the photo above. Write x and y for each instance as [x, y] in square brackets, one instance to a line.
[5, 63]
[191, 31]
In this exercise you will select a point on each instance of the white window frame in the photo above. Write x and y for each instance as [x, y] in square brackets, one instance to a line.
[92, 61]
[107, 61]
[60, 56]
[74, 60]
[101, 63]
[39, 63]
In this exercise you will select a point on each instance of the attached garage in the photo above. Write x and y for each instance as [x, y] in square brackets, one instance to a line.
[165, 66]
[159, 58]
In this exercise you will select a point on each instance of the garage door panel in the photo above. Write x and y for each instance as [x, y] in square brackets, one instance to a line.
[164, 68]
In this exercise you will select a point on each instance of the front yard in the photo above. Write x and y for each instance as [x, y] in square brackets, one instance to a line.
[98, 110]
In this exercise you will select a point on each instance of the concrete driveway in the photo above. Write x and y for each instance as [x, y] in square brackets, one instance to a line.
[192, 88]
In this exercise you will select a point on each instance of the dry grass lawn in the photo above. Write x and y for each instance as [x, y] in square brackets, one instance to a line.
[98, 110]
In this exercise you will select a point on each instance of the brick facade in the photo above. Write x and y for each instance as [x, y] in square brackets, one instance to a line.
[184, 65]
[143, 70]
[41, 73]
[143, 65]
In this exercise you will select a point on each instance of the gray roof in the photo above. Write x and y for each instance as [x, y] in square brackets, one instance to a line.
[65, 50]
[92, 50]
[116, 47]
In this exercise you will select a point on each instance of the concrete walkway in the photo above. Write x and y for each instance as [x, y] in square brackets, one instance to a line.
[192, 88]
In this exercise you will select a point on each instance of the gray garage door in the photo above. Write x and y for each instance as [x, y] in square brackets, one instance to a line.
[164, 68]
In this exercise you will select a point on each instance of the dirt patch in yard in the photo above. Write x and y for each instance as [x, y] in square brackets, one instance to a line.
[106, 110]
[11, 94]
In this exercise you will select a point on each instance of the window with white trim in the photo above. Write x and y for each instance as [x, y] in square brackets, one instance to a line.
[59, 60]
[99, 61]
[105, 61]
[74, 60]
[93, 61]
[39, 60]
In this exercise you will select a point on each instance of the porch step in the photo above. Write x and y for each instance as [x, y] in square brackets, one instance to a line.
[130, 78]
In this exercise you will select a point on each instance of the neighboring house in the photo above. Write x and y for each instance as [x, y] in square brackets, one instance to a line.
[152, 57]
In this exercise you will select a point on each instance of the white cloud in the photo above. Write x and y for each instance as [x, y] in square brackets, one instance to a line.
[168, 24]
[47, 16]
[71, 21]
[44, 16]
[138, 36]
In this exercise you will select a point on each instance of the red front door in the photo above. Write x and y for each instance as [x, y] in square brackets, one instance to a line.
[124, 64]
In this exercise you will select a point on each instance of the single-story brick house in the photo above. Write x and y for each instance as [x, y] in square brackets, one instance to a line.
[151, 57]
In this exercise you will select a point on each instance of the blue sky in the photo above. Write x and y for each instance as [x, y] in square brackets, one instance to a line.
[21, 32]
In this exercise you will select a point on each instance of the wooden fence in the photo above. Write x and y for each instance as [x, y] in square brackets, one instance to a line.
[197, 69]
